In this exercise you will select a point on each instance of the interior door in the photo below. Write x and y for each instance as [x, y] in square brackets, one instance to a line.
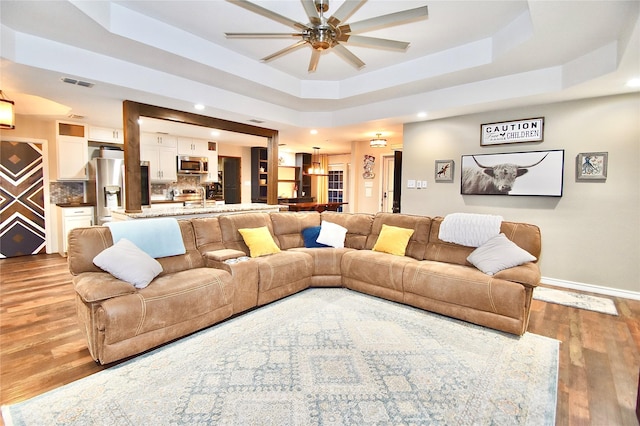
[231, 180]
[22, 216]
[388, 167]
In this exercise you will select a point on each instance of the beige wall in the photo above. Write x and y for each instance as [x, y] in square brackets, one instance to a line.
[359, 201]
[591, 235]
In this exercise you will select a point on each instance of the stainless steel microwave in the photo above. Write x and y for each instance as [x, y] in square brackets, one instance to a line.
[192, 165]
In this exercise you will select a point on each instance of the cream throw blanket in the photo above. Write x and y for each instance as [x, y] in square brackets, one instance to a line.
[469, 229]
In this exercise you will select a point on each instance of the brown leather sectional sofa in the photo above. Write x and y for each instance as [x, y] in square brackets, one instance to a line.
[199, 288]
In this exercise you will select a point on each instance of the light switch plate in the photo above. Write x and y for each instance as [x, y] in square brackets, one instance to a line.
[418, 184]
[424, 184]
[411, 183]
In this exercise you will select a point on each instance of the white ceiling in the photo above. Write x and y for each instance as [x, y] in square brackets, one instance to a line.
[467, 56]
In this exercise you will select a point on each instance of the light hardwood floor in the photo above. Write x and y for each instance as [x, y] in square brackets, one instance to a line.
[41, 346]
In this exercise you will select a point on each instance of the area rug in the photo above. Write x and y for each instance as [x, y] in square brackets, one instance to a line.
[575, 300]
[320, 357]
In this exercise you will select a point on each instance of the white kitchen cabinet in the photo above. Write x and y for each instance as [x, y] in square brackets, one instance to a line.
[71, 218]
[72, 151]
[192, 147]
[103, 134]
[159, 139]
[163, 164]
[212, 175]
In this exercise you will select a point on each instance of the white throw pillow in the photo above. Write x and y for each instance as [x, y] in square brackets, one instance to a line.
[497, 254]
[332, 234]
[125, 261]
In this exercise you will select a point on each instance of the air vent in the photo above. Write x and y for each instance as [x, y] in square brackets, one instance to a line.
[77, 82]
[253, 120]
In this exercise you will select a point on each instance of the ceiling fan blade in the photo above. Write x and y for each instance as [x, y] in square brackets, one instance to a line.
[381, 43]
[262, 35]
[268, 13]
[312, 12]
[315, 57]
[385, 20]
[345, 54]
[284, 51]
[343, 13]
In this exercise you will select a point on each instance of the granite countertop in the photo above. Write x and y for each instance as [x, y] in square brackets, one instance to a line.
[209, 210]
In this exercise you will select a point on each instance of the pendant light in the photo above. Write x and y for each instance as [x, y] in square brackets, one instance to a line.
[7, 113]
[378, 142]
[316, 167]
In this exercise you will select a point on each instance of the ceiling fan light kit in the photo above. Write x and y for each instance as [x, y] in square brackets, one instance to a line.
[327, 34]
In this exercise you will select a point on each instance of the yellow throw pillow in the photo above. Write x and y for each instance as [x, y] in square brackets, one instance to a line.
[259, 241]
[393, 240]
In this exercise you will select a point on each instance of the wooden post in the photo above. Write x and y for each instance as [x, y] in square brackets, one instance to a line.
[130, 117]
[272, 164]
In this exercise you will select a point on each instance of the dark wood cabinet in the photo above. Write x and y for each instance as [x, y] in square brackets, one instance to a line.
[259, 174]
[289, 178]
[303, 161]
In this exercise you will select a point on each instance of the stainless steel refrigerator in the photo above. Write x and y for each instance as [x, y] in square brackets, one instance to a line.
[105, 186]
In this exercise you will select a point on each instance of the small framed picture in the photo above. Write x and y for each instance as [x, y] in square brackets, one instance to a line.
[444, 171]
[592, 166]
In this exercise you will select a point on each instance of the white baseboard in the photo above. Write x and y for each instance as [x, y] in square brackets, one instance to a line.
[625, 294]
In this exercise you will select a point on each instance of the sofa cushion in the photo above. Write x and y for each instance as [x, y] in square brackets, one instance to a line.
[288, 227]
[124, 260]
[283, 269]
[230, 223]
[497, 254]
[465, 286]
[374, 268]
[526, 236]
[393, 240]
[259, 241]
[310, 237]
[358, 226]
[331, 234]
[207, 234]
[418, 241]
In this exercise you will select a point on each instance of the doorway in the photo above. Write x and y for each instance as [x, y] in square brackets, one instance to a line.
[230, 168]
[388, 167]
[22, 220]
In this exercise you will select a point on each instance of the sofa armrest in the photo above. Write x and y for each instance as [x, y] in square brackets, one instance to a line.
[527, 274]
[97, 286]
[223, 254]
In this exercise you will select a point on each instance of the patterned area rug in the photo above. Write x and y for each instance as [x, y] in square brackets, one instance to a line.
[321, 357]
[575, 300]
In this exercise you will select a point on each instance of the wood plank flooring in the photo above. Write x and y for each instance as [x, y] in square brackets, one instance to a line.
[41, 346]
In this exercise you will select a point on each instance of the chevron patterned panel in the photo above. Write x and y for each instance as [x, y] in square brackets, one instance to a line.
[22, 227]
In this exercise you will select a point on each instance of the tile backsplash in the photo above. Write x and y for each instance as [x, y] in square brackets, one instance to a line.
[66, 192]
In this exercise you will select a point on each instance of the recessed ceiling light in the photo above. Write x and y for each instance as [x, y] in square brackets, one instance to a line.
[634, 82]
[422, 114]
[199, 107]
[139, 121]
[215, 133]
[313, 132]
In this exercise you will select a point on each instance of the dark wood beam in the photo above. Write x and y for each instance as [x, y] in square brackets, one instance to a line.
[132, 111]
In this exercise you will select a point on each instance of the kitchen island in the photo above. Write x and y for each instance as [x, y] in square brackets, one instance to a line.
[191, 211]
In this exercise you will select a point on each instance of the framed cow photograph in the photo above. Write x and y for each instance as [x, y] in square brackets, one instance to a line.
[537, 173]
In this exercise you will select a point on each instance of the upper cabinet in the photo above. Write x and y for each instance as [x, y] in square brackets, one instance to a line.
[212, 154]
[161, 152]
[159, 139]
[192, 147]
[103, 134]
[72, 152]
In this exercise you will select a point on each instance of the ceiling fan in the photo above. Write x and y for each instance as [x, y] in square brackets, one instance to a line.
[330, 33]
